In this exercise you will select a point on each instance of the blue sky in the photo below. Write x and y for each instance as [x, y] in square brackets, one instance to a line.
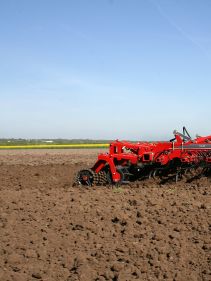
[104, 69]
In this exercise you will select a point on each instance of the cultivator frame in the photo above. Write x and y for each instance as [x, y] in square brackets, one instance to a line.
[127, 161]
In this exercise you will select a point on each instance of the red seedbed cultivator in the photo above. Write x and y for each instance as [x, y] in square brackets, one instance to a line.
[127, 161]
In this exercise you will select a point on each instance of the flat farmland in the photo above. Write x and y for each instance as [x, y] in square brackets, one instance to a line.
[50, 230]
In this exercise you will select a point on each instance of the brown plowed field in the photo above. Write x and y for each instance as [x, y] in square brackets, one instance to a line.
[50, 230]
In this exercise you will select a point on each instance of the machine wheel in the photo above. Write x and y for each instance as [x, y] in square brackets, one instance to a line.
[86, 177]
[102, 178]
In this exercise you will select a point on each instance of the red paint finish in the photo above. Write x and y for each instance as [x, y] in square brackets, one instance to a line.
[181, 148]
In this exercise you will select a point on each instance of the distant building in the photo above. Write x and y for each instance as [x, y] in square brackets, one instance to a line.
[48, 141]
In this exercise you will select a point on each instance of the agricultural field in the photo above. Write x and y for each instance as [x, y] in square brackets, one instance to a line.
[52, 143]
[14, 142]
[51, 230]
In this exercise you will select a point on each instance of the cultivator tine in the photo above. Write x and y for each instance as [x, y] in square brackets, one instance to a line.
[154, 173]
[178, 177]
[150, 174]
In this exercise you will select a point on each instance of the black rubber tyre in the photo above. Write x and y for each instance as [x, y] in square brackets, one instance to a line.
[86, 177]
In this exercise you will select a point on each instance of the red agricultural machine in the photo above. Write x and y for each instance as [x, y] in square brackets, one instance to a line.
[127, 161]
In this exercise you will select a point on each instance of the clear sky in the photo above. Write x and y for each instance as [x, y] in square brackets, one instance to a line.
[104, 69]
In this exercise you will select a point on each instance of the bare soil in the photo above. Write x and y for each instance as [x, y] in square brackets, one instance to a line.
[50, 230]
